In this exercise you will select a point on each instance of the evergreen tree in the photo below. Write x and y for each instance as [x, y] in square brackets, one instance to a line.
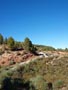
[11, 43]
[1, 39]
[28, 46]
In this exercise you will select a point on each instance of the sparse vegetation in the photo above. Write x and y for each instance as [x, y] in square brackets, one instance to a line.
[1, 51]
[40, 70]
[12, 62]
[44, 48]
[42, 73]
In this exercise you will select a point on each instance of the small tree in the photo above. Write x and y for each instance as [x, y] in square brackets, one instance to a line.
[18, 46]
[1, 39]
[11, 43]
[28, 46]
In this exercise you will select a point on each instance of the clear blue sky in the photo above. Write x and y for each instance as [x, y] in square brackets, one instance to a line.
[43, 21]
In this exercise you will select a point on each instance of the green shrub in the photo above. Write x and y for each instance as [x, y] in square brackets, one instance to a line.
[59, 84]
[12, 62]
[1, 51]
[39, 83]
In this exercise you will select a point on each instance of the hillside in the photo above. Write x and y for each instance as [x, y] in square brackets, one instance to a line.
[26, 66]
[51, 69]
[8, 57]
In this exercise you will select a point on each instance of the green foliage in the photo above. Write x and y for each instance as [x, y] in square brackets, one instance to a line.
[15, 84]
[66, 49]
[28, 46]
[40, 74]
[1, 39]
[59, 84]
[44, 48]
[6, 84]
[12, 62]
[11, 43]
[20, 71]
[1, 51]
[39, 83]
[60, 49]
[18, 46]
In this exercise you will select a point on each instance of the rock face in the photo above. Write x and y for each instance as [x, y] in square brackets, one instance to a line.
[10, 58]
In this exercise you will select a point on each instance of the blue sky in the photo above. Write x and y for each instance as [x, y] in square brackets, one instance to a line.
[43, 21]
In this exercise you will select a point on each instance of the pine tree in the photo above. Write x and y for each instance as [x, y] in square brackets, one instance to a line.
[11, 43]
[28, 46]
[1, 39]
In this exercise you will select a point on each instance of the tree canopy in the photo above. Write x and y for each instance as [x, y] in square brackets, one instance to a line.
[1, 39]
[28, 46]
[11, 43]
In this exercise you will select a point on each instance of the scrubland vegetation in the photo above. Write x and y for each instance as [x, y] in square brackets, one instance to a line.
[40, 73]
[37, 75]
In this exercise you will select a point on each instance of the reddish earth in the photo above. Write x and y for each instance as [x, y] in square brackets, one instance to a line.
[13, 57]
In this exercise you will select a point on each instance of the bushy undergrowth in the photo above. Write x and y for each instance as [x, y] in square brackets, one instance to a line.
[40, 72]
